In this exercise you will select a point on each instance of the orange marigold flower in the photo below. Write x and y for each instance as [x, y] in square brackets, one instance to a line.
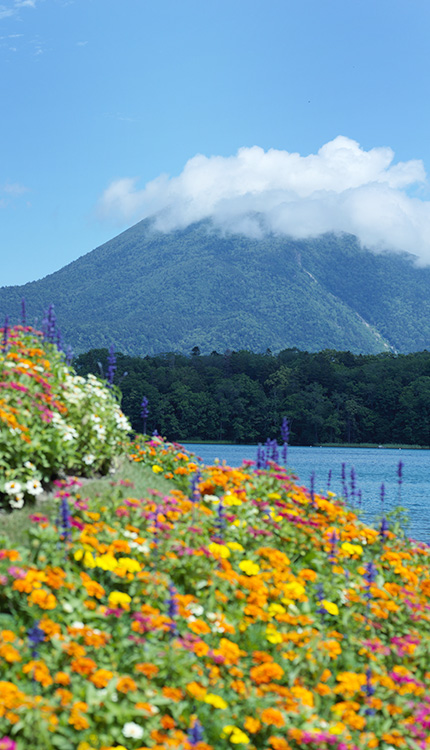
[148, 669]
[199, 627]
[101, 677]
[62, 678]
[83, 665]
[167, 722]
[278, 743]
[39, 672]
[196, 690]
[272, 716]
[9, 653]
[175, 694]
[43, 599]
[252, 725]
[126, 685]
[266, 672]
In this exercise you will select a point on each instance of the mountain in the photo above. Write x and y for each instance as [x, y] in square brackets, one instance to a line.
[147, 292]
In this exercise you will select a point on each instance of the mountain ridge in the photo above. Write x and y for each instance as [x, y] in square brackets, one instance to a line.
[148, 292]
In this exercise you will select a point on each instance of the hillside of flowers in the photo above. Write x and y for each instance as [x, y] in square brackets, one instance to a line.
[51, 420]
[237, 609]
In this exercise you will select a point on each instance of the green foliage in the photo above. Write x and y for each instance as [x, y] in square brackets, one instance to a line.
[329, 396]
[148, 292]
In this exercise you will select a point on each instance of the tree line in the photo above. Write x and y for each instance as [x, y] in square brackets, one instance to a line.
[241, 397]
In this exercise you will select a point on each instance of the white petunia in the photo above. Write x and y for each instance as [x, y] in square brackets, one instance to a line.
[89, 459]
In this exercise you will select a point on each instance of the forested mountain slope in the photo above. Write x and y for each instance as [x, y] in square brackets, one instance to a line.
[148, 292]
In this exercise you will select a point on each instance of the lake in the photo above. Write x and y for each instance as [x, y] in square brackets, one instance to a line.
[372, 466]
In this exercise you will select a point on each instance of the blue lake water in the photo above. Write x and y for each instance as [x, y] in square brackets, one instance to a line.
[372, 466]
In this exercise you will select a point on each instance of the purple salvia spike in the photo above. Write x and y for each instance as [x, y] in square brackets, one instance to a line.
[382, 494]
[6, 332]
[23, 312]
[399, 480]
[69, 356]
[313, 488]
[144, 412]
[352, 485]
[329, 480]
[111, 366]
[344, 484]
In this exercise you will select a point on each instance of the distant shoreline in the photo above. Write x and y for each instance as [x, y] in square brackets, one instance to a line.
[389, 446]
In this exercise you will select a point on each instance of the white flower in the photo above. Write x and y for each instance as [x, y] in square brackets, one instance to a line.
[78, 625]
[89, 459]
[29, 465]
[12, 488]
[18, 502]
[68, 607]
[132, 730]
[34, 487]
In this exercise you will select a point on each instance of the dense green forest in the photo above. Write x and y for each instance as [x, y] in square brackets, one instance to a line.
[239, 396]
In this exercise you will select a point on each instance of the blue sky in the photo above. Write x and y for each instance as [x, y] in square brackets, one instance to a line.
[101, 97]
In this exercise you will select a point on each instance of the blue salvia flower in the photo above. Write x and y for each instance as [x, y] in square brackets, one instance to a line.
[111, 366]
[274, 451]
[344, 484]
[155, 433]
[382, 495]
[23, 312]
[369, 690]
[352, 485]
[59, 341]
[195, 733]
[333, 539]
[399, 480]
[261, 457]
[329, 480]
[285, 434]
[49, 324]
[359, 498]
[6, 332]
[312, 491]
[220, 522]
[319, 597]
[69, 356]
[383, 529]
[172, 608]
[36, 636]
[144, 412]
[195, 492]
[371, 571]
[65, 519]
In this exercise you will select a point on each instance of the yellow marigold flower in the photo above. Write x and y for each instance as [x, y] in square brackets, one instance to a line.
[235, 546]
[272, 634]
[274, 496]
[232, 500]
[215, 700]
[157, 469]
[106, 562]
[130, 565]
[119, 599]
[219, 550]
[237, 737]
[330, 607]
[352, 549]
[249, 567]
[293, 590]
[252, 725]
[338, 728]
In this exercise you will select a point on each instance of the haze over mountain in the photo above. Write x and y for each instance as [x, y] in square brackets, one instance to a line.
[147, 292]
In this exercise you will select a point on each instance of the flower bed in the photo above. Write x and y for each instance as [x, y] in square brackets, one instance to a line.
[239, 610]
[51, 420]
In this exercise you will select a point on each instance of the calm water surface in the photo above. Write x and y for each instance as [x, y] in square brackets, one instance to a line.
[373, 466]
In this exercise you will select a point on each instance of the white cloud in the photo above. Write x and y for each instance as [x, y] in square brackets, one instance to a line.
[13, 188]
[342, 188]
